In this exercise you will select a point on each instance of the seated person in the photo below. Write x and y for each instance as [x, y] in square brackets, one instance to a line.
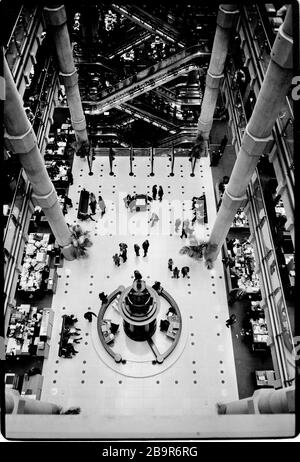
[171, 311]
[157, 286]
[164, 325]
[114, 328]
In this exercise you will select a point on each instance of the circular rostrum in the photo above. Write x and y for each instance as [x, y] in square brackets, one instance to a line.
[140, 331]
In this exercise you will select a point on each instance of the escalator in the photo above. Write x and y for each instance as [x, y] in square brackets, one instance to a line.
[146, 20]
[148, 79]
[184, 136]
[128, 43]
[149, 116]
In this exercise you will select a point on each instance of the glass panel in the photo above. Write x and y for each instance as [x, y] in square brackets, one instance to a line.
[16, 43]
[19, 198]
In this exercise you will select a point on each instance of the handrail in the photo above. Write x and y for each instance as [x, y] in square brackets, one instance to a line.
[13, 29]
[145, 19]
[137, 39]
[146, 114]
[146, 75]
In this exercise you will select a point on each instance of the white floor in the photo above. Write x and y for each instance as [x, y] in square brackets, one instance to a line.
[204, 372]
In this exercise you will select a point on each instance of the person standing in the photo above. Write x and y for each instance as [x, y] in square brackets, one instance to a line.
[183, 232]
[231, 320]
[145, 246]
[160, 193]
[93, 203]
[185, 271]
[154, 192]
[177, 224]
[137, 249]
[137, 275]
[116, 259]
[175, 273]
[102, 205]
[123, 251]
[223, 144]
[89, 315]
[170, 264]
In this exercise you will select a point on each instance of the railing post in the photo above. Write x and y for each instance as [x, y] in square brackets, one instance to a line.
[193, 163]
[172, 161]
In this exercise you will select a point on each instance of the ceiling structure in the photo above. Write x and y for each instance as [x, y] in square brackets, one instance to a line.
[141, 69]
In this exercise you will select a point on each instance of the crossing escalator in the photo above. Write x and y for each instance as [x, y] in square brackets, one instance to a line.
[152, 77]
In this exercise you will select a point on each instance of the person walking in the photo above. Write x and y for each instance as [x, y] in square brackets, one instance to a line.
[160, 193]
[185, 271]
[89, 315]
[93, 203]
[145, 246]
[183, 232]
[116, 259]
[154, 192]
[137, 249]
[103, 297]
[102, 205]
[175, 273]
[231, 320]
[223, 144]
[170, 264]
[153, 219]
[177, 224]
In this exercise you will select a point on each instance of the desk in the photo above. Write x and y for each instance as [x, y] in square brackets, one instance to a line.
[265, 378]
[259, 334]
[32, 385]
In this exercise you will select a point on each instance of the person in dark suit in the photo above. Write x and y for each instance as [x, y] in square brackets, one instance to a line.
[145, 246]
[154, 192]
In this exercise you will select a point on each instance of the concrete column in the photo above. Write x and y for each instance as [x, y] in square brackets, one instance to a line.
[15, 404]
[57, 20]
[263, 401]
[257, 134]
[20, 139]
[225, 20]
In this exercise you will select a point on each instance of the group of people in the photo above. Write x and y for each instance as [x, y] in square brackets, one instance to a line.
[184, 270]
[123, 254]
[186, 231]
[123, 251]
[93, 204]
[69, 335]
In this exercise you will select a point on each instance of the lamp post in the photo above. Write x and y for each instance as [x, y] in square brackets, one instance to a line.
[152, 160]
[111, 159]
[130, 159]
[90, 159]
[172, 160]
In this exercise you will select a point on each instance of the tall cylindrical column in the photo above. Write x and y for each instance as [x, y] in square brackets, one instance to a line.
[226, 17]
[257, 134]
[56, 18]
[263, 401]
[20, 139]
